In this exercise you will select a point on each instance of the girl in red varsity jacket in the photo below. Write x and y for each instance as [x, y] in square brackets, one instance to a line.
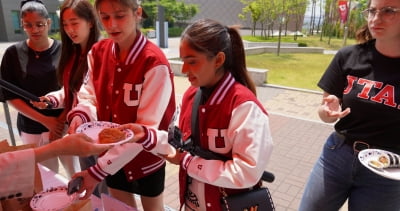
[129, 81]
[231, 122]
[79, 30]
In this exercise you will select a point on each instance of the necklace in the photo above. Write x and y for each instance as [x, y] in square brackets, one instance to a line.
[37, 54]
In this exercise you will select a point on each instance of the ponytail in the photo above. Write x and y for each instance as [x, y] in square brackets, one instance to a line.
[210, 37]
[237, 61]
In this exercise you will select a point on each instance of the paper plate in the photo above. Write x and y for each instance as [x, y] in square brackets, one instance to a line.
[92, 129]
[53, 199]
[367, 155]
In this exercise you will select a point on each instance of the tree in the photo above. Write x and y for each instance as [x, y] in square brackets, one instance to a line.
[262, 12]
[280, 26]
[296, 14]
[175, 12]
[255, 14]
[312, 21]
[269, 13]
[332, 25]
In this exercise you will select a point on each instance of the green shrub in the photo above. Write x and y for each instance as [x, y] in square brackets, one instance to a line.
[302, 44]
[145, 30]
[172, 31]
[56, 36]
[175, 31]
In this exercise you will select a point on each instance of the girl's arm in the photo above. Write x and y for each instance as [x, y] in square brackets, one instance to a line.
[51, 123]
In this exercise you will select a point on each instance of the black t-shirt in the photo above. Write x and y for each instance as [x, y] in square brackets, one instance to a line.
[369, 83]
[35, 75]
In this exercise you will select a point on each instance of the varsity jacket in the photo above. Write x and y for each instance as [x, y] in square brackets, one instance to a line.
[139, 90]
[233, 123]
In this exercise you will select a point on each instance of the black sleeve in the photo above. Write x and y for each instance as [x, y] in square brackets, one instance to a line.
[10, 71]
[334, 81]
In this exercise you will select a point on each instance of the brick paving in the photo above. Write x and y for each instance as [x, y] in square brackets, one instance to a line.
[297, 132]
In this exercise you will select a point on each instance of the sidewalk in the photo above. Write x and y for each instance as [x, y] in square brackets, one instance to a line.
[297, 132]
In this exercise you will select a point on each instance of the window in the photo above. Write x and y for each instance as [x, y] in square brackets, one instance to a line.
[55, 22]
[16, 22]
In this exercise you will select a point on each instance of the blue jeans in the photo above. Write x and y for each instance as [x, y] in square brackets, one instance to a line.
[338, 175]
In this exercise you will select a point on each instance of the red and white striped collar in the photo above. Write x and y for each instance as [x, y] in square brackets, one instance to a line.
[220, 92]
[137, 47]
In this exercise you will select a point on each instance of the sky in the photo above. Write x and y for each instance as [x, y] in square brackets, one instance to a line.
[307, 15]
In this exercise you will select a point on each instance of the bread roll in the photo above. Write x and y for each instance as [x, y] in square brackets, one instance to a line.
[111, 135]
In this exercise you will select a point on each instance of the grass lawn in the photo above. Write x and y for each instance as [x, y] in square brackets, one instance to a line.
[332, 43]
[296, 70]
[292, 70]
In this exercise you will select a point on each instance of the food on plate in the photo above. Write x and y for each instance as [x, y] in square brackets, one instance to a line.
[376, 164]
[385, 160]
[111, 135]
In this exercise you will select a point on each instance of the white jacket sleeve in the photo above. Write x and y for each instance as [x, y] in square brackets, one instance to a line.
[156, 141]
[17, 173]
[57, 98]
[250, 137]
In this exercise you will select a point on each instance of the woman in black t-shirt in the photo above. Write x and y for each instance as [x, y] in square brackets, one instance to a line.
[31, 65]
[362, 95]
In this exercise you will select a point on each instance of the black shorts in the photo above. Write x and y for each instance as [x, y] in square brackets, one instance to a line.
[150, 186]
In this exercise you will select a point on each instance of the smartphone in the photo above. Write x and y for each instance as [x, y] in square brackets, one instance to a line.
[74, 185]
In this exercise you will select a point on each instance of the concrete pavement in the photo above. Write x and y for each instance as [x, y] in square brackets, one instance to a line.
[296, 129]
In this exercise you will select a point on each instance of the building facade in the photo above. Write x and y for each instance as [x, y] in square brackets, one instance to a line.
[227, 12]
[10, 21]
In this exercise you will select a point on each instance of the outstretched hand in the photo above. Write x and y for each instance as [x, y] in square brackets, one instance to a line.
[76, 144]
[81, 145]
[137, 129]
[331, 110]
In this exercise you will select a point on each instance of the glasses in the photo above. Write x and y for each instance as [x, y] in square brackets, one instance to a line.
[29, 26]
[386, 13]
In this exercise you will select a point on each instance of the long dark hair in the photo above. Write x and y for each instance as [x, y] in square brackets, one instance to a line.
[210, 37]
[85, 10]
[363, 35]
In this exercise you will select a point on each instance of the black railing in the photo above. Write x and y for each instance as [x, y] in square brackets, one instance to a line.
[9, 123]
